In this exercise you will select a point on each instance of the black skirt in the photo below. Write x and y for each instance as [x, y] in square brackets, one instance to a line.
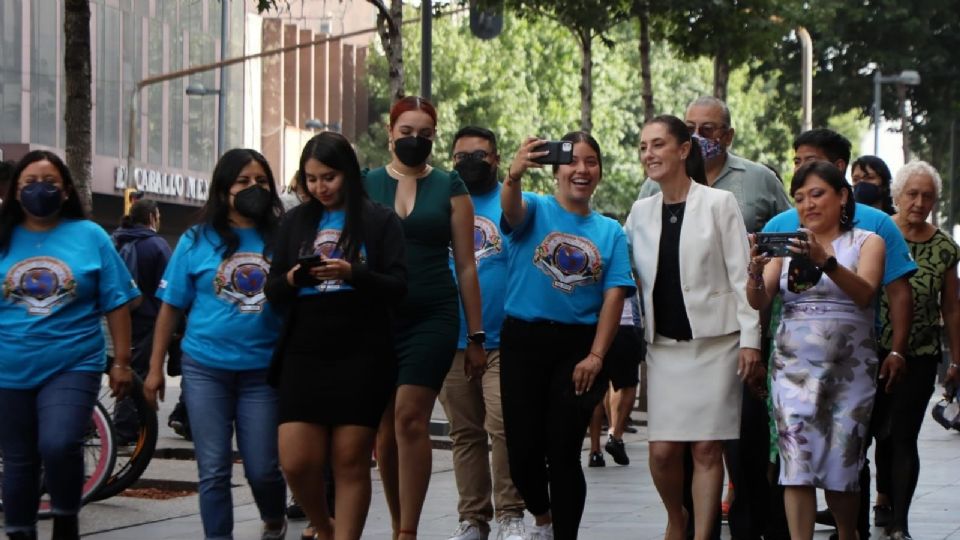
[338, 363]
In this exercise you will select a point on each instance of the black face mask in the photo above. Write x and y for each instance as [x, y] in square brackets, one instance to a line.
[253, 202]
[41, 199]
[475, 172]
[867, 193]
[413, 151]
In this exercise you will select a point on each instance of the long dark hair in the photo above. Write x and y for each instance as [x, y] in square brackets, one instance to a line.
[334, 151]
[678, 129]
[215, 214]
[878, 166]
[11, 212]
[829, 173]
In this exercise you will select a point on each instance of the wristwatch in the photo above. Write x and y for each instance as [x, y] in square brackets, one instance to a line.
[829, 265]
[477, 337]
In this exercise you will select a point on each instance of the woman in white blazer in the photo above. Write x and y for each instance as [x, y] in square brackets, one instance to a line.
[690, 249]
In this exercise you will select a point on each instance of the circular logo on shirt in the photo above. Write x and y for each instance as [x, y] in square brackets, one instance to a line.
[240, 280]
[326, 246]
[39, 284]
[570, 260]
[486, 238]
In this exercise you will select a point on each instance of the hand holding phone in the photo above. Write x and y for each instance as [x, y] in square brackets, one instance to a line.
[777, 244]
[558, 153]
[311, 261]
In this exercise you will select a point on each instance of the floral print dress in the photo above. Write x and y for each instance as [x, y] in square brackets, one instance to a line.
[824, 378]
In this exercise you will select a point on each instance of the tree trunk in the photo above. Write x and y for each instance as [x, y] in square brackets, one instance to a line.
[586, 80]
[389, 23]
[76, 64]
[645, 75]
[721, 75]
[904, 121]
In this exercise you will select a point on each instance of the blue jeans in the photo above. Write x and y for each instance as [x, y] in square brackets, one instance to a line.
[217, 400]
[45, 425]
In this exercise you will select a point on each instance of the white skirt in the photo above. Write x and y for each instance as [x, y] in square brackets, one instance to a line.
[693, 390]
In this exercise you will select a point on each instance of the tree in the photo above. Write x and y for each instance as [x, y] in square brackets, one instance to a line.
[77, 79]
[587, 19]
[389, 24]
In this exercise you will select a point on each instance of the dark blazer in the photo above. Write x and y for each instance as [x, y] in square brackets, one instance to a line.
[380, 283]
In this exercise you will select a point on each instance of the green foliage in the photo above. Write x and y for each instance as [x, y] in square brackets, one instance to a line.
[525, 83]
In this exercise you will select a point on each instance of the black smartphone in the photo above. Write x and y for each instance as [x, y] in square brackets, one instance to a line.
[558, 153]
[310, 261]
[776, 244]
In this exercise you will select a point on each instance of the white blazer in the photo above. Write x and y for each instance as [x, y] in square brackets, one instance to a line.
[714, 252]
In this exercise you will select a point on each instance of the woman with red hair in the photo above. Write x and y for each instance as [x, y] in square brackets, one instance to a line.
[437, 217]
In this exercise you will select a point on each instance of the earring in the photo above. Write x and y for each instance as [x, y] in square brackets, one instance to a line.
[844, 218]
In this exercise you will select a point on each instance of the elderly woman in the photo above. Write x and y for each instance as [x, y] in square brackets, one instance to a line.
[897, 416]
[825, 365]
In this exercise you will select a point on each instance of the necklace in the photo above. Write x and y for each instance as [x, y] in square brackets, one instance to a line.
[426, 170]
[675, 216]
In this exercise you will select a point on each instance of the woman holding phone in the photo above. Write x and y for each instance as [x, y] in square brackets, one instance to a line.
[569, 272]
[825, 362]
[338, 274]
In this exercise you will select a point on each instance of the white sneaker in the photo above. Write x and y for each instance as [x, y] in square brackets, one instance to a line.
[468, 531]
[540, 532]
[511, 528]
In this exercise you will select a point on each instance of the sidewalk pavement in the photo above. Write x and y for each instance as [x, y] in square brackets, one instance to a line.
[621, 501]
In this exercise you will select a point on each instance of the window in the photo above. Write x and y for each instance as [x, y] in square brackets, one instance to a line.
[11, 84]
[176, 89]
[44, 62]
[155, 96]
[109, 98]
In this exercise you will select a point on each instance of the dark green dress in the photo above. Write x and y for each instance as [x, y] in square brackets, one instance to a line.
[428, 321]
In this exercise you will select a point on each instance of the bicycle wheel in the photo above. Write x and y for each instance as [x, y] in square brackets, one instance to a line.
[136, 449]
[99, 455]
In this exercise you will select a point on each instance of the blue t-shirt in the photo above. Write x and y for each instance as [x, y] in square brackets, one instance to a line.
[231, 325]
[898, 262]
[561, 263]
[56, 286]
[490, 251]
[325, 245]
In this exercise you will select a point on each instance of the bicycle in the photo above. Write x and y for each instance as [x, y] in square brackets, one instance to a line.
[131, 459]
[99, 457]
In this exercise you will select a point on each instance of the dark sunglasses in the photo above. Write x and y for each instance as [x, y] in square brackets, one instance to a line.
[707, 131]
[476, 154]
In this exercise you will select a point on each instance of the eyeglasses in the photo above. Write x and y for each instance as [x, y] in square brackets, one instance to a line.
[476, 154]
[707, 130]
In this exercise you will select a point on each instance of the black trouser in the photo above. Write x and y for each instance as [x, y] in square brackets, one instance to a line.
[126, 420]
[747, 461]
[544, 421]
[897, 418]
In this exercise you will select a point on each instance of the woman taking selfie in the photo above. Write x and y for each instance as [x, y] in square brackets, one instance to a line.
[338, 273]
[217, 272]
[569, 273]
[61, 275]
[437, 215]
[690, 250]
[825, 364]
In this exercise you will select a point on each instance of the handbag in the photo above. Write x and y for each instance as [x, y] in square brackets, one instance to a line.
[947, 413]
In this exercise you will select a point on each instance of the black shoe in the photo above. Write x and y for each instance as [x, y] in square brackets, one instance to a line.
[66, 527]
[825, 517]
[22, 535]
[179, 422]
[615, 448]
[900, 535]
[596, 460]
[629, 429]
[295, 511]
[882, 515]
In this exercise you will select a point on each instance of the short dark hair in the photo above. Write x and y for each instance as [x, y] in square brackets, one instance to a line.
[475, 131]
[142, 211]
[878, 166]
[832, 176]
[834, 145]
[584, 137]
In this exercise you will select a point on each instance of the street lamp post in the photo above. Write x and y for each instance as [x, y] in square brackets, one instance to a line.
[908, 77]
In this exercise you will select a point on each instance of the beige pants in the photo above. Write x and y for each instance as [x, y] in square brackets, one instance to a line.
[474, 411]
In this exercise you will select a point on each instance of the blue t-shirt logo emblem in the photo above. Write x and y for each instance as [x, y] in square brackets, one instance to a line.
[40, 284]
[570, 260]
[486, 238]
[240, 280]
